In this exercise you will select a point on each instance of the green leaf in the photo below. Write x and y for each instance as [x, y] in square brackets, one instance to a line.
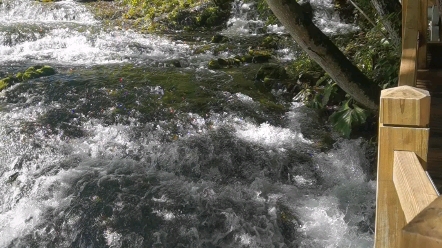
[328, 91]
[347, 117]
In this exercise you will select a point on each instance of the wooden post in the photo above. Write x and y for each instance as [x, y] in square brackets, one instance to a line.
[410, 43]
[403, 122]
[425, 230]
[404, 14]
[423, 29]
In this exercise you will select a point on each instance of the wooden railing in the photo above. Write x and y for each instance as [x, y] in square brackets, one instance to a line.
[408, 207]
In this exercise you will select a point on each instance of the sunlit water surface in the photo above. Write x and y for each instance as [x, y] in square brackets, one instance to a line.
[87, 159]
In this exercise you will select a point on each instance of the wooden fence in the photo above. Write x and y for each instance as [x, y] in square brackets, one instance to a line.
[408, 207]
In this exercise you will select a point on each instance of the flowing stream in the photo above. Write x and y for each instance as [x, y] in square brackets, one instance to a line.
[106, 154]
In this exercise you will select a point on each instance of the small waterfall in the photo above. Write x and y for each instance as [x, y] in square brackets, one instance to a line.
[23, 11]
[245, 20]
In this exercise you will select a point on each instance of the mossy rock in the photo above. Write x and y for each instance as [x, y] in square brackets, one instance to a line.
[260, 56]
[35, 72]
[271, 71]
[30, 73]
[223, 47]
[224, 63]
[288, 222]
[189, 15]
[270, 42]
[271, 76]
[218, 38]
[173, 63]
[4, 83]
[247, 58]
[213, 64]
[202, 49]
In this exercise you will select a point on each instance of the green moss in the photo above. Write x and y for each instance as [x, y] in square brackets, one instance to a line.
[270, 42]
[213, 64]
[271, 71]
[178, 91]
[3, 83]
[202, 49]
[30, 73]
[35, 72]
[260, 56]
[180, 14]
[218, 38]
[45, 71]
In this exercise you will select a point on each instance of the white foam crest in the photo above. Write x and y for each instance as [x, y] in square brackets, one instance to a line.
[325, 225]
[74, 47]
[113, 239]
[344, 164]
[24, 11]
[25, 199]
[105, 141]
[327, 20]
[332, 220]
[243, 21]
[269, 135]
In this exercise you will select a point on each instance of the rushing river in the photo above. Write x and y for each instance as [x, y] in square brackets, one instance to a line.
[103, 154]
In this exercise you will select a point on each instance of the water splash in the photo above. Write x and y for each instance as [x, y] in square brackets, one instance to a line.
[32, 12]
[244, 20]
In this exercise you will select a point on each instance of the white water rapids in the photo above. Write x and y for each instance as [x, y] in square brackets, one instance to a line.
[74, 175]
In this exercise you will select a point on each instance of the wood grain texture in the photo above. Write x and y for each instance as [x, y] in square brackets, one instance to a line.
[414, 188]
[425, 230]
[398, 107]
[422, 29]
[389, 215]
[408, 67]
[405, 106]
[410, 36]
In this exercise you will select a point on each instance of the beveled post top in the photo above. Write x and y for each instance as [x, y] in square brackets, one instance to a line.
[405, 106]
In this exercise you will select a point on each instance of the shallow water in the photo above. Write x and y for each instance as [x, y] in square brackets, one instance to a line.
[107, 153]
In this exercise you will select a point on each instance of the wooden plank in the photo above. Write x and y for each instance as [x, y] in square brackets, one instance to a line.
[400, 139]
[389, 216]
[408, 67]
[422, 28]
[404, 14]
[410, 36]
[425, 230]
[414, 188]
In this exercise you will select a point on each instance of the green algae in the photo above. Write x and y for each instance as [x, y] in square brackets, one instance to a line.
[30, 73]
[171, 91]
[159, 16]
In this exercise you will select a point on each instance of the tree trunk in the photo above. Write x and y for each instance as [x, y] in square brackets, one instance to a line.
[324, 52]
[390, 13]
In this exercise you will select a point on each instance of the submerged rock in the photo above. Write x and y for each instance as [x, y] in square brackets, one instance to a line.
[270, 42]
[174, 63]
[30, 73]
[271, 71]
[213, 64]
[259, 56]
[13, 177]
[224, 63]
[218, 38]
[35, 72]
